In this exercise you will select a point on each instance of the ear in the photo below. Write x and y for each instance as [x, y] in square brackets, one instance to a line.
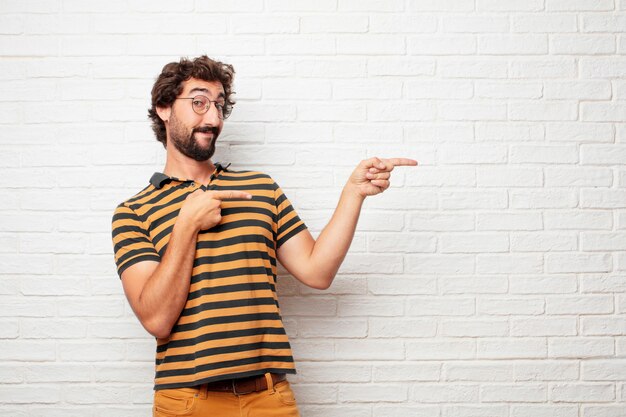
[164, 113]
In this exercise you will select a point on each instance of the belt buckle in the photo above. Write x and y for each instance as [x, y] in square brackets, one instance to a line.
[234, 383]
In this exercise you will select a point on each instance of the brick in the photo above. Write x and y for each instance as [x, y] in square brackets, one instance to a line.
[371, 45]
[543, 327]
[366, 89]
[332, 23]
[521, 199]
[383, 410]
[576, 392]
[579, 5]
[603, 410]
[509, 263]
[604, 112]
[515, 90]
[590, 90]
[57, 329]
[493, 68]
[434, 89]
[602, 283]
[298, 133]
[544, 23]
[441, 45]
[474, 328]
[578, 131]
[579, 176]
[518, 348]
[483, 410]
[368, 349]
[434, 349]
[508, 221]
[508, 177]
[543, 242]
[603, 198]
[325, 372]
[400, 111]
[578, 262]
[27, 350]
[580, 347]
[35, 394]
[578, 220]
[339, 67]
[543, 68]
[555, 284]
[372, 393]
[370, 5]
[603, 370]
[379, 306]
[439, 264]
[272, 24]
[372, 264]
[546, 370]
[479, 371]
[296, 88]
[473, 243]
[518, 392]
[401, 285]
[308, 306]
[509, 5]
[26, 45]
[447, 306]
[474, 24]
[441, 222]
[602, 22]
[247, 6]
[603, 241]
[332, 328]
[331, 112]
[544, 154]
[603, 326]
[582, 44]
[441, 5]
[400, 328]
[400, 66]
[602, 68]
[404, 23]
[510, 306]
[509, 131]
[477, 285]
[406, 372]
[300, 6]
[444, 393]
[512, 44]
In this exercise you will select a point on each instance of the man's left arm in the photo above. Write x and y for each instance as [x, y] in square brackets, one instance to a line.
[315, 262]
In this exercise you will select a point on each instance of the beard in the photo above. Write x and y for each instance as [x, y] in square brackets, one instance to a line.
[186, 143]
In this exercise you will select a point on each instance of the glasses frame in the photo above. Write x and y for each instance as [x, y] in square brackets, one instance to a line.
[220, 112]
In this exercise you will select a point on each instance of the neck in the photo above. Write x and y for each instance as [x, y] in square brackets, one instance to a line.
[180, 166]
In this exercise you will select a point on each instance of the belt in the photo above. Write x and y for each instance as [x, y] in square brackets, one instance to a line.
[242, 386]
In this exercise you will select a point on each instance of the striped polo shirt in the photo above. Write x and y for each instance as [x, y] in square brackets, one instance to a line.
[231, 325]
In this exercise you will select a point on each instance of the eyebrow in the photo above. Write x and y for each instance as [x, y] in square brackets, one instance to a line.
[205, 90]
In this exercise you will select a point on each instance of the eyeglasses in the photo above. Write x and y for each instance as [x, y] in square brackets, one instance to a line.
[202, 104]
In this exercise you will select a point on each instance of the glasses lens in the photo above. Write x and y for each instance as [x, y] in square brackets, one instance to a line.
[200, 104]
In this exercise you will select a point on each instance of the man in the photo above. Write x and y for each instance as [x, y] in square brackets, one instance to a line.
[196, 251]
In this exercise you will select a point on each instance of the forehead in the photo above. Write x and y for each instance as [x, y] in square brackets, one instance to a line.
[208, 88]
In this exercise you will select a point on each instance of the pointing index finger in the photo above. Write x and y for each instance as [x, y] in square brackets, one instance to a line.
[230, 194]
[402, 161]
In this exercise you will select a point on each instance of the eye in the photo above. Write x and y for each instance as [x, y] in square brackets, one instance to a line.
[219, 105]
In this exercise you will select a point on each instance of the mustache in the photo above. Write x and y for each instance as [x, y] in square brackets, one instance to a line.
[206, 129]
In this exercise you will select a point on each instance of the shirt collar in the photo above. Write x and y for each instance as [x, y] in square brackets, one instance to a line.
[158, 179]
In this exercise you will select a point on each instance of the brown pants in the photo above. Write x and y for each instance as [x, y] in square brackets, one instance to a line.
[277, 401]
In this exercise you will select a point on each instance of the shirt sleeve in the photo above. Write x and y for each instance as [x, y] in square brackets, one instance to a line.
[289, 223]
[131, 240]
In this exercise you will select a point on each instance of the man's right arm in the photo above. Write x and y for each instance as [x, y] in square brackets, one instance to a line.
[157, 291]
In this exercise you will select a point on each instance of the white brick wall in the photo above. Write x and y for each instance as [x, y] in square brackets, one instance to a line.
[488, 281]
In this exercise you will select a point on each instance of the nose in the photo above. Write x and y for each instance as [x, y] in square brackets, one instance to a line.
[212, 115]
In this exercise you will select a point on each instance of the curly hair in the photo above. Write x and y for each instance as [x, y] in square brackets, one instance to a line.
[169, 84]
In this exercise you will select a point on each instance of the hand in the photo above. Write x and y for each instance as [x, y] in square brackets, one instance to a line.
[372, 175]
[203, 208]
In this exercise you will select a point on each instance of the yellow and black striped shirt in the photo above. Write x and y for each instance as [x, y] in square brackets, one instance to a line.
[231, 325]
